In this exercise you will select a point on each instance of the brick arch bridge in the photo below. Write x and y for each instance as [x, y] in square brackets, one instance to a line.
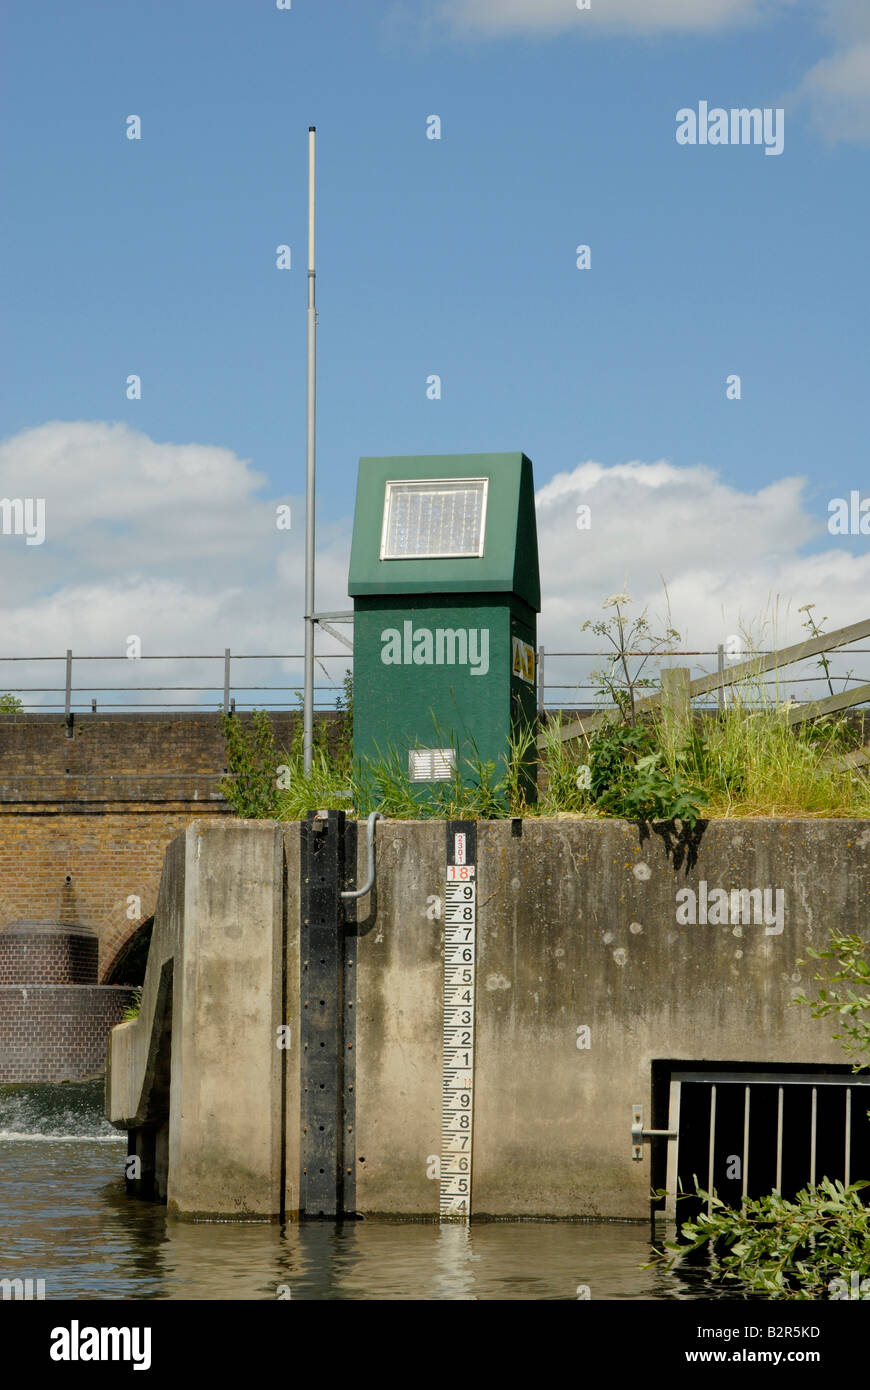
[85, 820]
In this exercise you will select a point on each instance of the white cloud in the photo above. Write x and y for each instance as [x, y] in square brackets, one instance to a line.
[491, 17]
[175, 543]
[732, 561]
[178, 545]
[847, 20]
[837, 93]
[835, 90]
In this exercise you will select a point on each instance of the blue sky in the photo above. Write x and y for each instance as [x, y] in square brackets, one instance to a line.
[453, 256]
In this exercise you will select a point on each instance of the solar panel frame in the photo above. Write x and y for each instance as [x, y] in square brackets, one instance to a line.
[415, 521]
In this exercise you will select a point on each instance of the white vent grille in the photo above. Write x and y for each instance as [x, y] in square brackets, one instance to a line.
[431, 764]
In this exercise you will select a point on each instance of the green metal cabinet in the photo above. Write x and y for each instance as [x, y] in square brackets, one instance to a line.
[446, 589]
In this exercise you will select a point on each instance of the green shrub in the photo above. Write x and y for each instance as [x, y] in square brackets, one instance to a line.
[344, 704]
[629, 777]
[134, 1008]
[252, 756]
[801, 1249]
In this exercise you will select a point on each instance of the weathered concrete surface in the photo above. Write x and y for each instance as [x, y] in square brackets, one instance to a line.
[213, 986]
[399, 1019]
[577, 929]
[577, 926]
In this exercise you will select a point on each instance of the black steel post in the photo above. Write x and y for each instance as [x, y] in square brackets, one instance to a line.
[326, 1187]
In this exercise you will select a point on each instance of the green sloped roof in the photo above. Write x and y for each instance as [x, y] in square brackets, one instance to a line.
[509, 563]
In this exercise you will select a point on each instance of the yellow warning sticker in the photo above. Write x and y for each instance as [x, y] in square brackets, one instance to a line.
[523, 663]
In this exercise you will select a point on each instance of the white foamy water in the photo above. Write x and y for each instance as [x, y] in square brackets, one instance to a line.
[20, 1136]
[42, 1112]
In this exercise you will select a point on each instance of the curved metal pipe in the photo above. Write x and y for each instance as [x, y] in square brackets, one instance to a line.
[370, 836]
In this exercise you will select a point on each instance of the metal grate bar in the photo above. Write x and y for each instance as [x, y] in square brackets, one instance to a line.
[779, 1114]
[710, 1171]
[745, 1142]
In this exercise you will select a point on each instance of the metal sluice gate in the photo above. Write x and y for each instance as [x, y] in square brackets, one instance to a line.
[747, 1134]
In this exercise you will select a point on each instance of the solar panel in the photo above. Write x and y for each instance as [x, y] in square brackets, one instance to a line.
[440, 518]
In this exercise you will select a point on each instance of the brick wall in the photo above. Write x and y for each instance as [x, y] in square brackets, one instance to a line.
[43, 953]
[126, 758]
[84, 821]
[83, 867]
[57, 1032]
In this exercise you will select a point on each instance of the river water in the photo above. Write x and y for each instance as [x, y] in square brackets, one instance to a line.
[65, 1218]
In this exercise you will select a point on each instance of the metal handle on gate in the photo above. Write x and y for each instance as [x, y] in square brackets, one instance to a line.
[639, 1134]
[370, 881]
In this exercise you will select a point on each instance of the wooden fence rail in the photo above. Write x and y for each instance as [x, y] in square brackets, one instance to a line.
[746, 670]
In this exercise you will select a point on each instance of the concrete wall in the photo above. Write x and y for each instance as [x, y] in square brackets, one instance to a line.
[577, 929]
[399, 1020]
[197, 1077]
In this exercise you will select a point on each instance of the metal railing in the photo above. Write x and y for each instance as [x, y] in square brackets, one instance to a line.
[560, 685]
[219, 694]
[773, 680]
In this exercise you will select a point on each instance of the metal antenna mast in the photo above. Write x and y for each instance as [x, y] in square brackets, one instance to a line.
[308, 695]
